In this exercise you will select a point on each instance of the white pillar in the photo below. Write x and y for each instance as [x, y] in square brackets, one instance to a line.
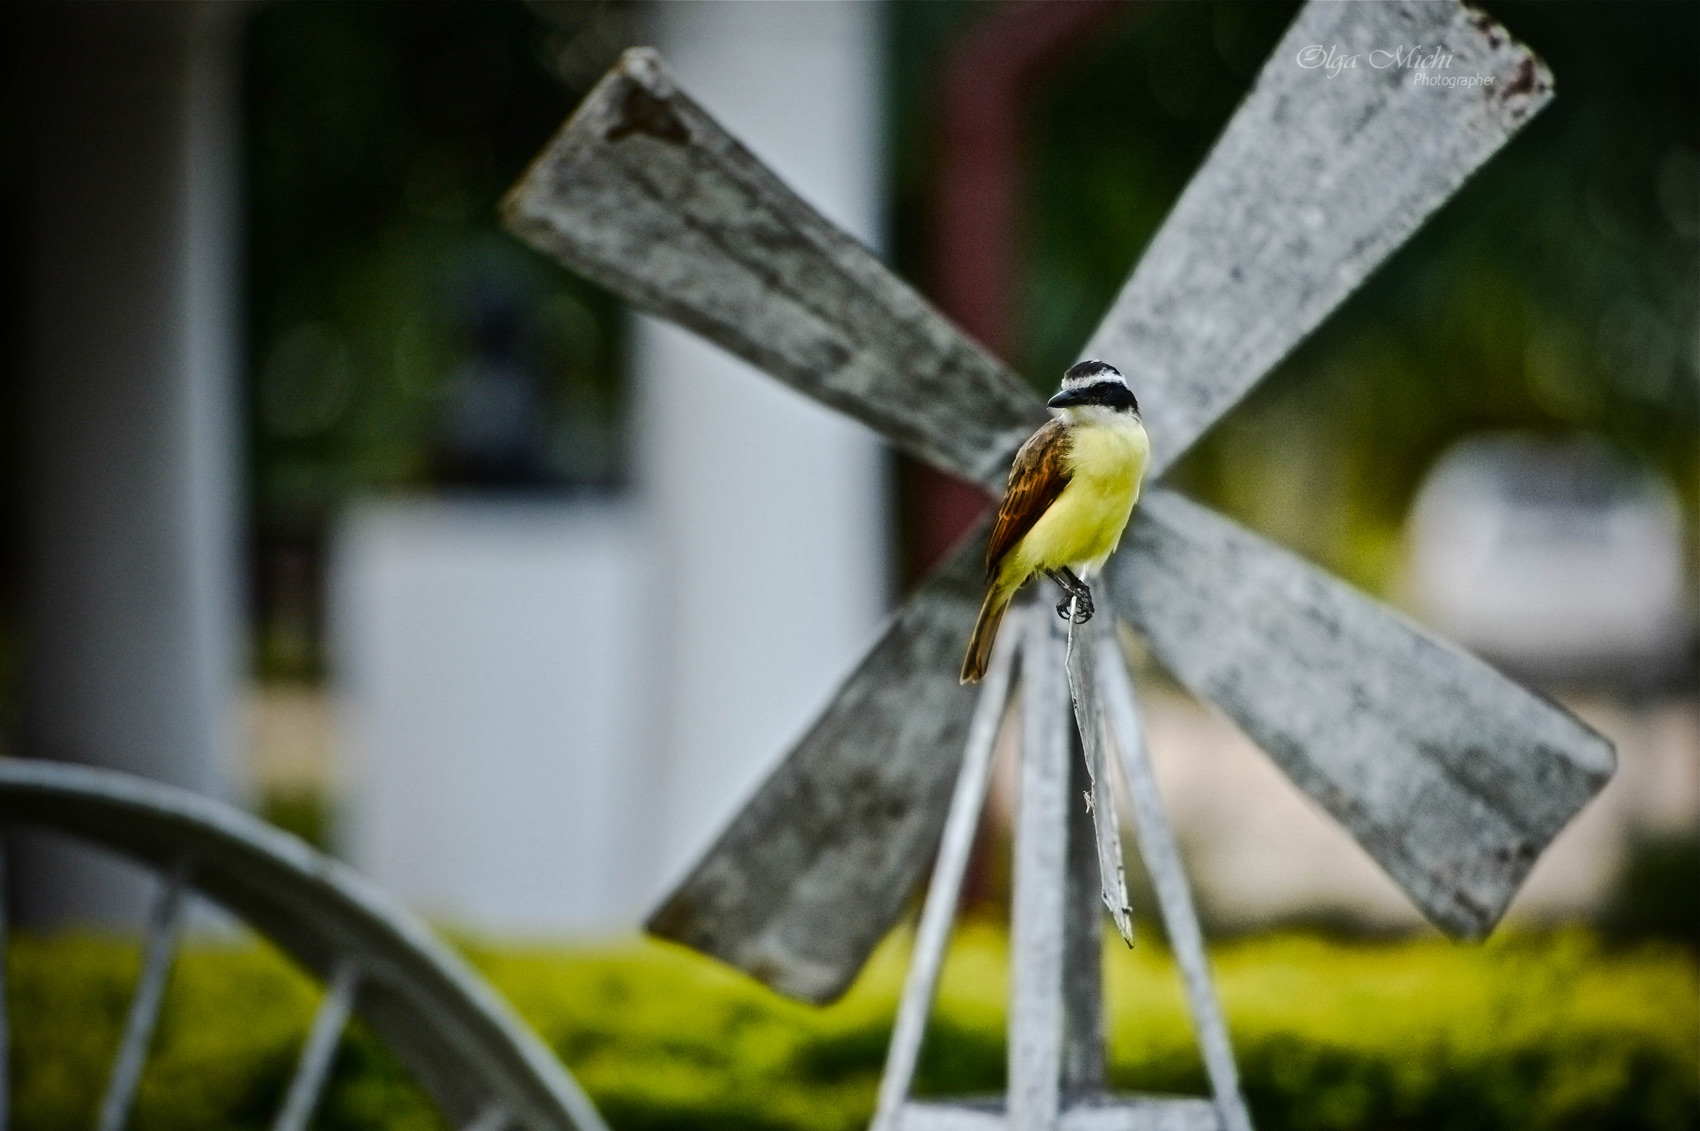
[770, 509]
[132, 605]
[494, 662]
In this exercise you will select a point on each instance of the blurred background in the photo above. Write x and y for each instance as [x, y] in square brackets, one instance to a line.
[320, 493]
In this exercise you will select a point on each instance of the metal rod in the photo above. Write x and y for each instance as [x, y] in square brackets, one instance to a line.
[1041, 871]
[314, 1067]
[1101, 798]
[165, 924]
[1163, 861]
[945, 889]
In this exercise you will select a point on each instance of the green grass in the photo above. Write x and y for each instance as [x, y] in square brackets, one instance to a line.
[1531, 1032]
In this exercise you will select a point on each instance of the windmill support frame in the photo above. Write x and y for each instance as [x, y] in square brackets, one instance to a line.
[1057, 1064]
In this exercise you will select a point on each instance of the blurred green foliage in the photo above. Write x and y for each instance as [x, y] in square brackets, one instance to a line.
[229, 1036]
[1658, 894]
[1558, 292]
[1537, 1033]
[378, 140]
[304, 812]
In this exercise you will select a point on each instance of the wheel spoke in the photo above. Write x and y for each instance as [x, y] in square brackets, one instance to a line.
[165, 924]
[314, 1067]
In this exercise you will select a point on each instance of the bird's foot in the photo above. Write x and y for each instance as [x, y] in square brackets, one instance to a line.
[1076, 606]
[1083, 611]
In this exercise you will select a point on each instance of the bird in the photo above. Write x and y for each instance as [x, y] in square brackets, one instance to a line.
[1071, 490]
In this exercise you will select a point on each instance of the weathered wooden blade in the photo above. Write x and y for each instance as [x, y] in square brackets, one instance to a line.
[645, 193]
[1320, 175]
[815, 868]
[1451, 776]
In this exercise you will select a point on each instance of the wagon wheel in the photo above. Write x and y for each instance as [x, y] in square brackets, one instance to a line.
[484, 1068]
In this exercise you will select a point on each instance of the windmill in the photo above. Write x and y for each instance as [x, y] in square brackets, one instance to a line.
[1451, 777]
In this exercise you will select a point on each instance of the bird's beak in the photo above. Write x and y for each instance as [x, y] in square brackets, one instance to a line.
[1066, 398]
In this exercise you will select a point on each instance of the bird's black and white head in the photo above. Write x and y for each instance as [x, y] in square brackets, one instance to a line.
[1092, 388]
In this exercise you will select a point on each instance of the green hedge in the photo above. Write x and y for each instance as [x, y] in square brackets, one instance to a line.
[1528, 1032]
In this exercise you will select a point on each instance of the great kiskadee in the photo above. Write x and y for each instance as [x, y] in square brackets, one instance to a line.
[1071, 491]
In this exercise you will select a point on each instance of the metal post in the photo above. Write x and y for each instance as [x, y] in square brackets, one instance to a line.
[132, 608]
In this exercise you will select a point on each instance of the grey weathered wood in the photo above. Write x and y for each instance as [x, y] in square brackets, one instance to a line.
[1083, 1068]
[1101, 1114]
[1315, 181]
[681, 220]
[165, 924]
[1036, 935]
[1089, 723]
[819, 863]
[932, 936]
[1453, 777]
[1082, 1063]
[314, 1067]
[924, 1115]
[645, 193]
[446, 1025]
[1157, 847]
[494, 1117]
[1141, 1114]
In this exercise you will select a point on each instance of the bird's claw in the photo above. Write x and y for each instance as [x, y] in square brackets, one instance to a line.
[1080, 613]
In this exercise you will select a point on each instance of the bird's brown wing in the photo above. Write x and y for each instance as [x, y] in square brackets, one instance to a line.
[1036, 478]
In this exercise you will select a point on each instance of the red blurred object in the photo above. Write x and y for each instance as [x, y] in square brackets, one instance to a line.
[983, 90]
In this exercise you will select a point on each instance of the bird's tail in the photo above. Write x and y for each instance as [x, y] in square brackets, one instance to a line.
[985, 633]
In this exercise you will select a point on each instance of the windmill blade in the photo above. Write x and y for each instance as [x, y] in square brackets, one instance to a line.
[1315, 181]
[646, 194]
[1451, 776]
[643, 192]
[816, 867]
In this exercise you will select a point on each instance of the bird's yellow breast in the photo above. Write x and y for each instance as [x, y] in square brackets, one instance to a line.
[1081, 529]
